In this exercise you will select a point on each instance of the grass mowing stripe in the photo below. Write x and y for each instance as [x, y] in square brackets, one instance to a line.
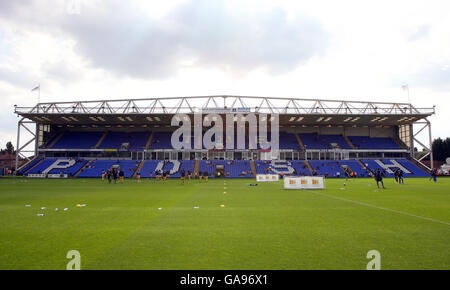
[165, 204]
[379, 207]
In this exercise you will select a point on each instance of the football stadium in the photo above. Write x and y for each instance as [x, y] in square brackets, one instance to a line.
[104, 179]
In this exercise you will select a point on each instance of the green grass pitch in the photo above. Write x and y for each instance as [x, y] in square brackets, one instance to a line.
[260, 227]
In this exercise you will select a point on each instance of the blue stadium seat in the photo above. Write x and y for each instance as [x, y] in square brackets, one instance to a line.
[365, 142]
[28, 166]
[78, 140]
[114, 140]
[316, 141]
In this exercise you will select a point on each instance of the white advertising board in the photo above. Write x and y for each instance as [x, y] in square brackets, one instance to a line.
[36, 175]
[267, 177]
[57, 176]
[304, 182]
[48, 175]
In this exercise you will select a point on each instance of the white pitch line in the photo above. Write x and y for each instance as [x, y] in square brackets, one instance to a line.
[382, 208]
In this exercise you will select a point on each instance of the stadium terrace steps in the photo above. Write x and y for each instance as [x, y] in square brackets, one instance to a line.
[161, 140]
[252, 164]
[149, 141]
[356, 166]
[55, 140]
[366, 142]
[82, 168]
[143, 140]
[331, 168]
[35, 165]
[300, 142]
[56, 166]
[39, 167]
[175, 166]
[196, 165]
[25, 166]
[414, 170]
[78, 140]
[272, 167]
[288, 141]
[300, 167]
[419, 164]
[328, 168]
[309, 167]
[318, 141]
[349, 142]
[101, 140]
[97, 167]
[115, 140]
[363, 166]
[29, 165]
[232, 168]
[148, 167]
[65, 167]
[400, 143]
[138, 169]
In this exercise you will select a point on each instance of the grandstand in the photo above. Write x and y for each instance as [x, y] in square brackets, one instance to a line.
[317, 137]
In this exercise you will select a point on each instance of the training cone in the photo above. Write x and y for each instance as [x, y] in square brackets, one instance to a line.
[222, 206]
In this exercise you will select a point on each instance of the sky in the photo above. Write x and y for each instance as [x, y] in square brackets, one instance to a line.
[345, 50]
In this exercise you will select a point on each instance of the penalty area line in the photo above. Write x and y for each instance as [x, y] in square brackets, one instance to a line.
[379, 207]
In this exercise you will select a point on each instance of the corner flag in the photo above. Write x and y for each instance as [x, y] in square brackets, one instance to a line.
[406, 88]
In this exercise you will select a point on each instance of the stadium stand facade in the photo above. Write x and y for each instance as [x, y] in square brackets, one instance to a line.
[84, 139]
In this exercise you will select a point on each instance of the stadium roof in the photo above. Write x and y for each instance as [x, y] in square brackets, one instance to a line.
[292, 111]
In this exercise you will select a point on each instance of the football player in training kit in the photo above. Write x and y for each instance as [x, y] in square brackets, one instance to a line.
[121, 175]
[183, 174]
[165, 173]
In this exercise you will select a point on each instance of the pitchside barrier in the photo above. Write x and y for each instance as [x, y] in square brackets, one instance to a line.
[48, 176]
[304, 182]
[267, 177]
